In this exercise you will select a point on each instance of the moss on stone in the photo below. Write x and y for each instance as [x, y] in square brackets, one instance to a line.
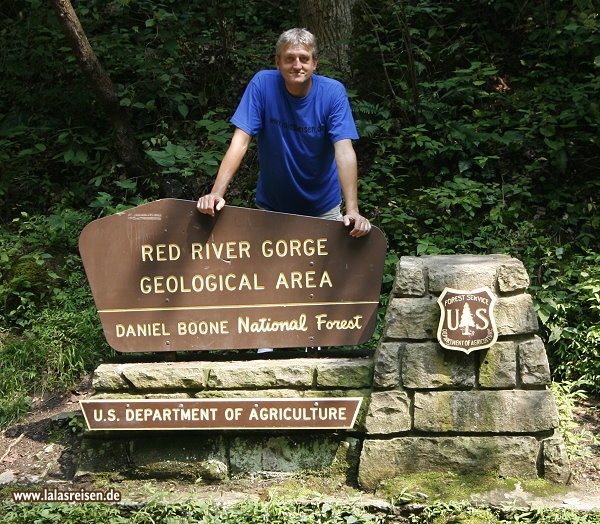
[447, 487]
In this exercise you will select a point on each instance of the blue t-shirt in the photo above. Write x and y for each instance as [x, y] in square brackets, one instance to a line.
[298, 173]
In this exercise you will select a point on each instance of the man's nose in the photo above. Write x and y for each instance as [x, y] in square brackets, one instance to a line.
[297, 63]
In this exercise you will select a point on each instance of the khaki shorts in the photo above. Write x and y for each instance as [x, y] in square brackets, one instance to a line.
[333, 214]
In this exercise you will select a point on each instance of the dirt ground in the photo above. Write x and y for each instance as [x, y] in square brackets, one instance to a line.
[43, 450]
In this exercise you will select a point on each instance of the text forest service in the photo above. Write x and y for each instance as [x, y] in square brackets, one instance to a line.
[167, 278]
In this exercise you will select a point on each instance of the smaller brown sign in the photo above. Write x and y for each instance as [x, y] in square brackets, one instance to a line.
[254, 413]
[467, 320]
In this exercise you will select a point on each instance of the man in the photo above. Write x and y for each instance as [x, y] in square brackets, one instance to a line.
[305, 130]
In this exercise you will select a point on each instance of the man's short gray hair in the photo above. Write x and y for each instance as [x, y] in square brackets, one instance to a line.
[296, 36]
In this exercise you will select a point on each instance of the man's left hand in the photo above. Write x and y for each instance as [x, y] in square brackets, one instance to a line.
[361, 225]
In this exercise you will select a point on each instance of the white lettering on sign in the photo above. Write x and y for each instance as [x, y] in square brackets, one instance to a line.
[265, 325]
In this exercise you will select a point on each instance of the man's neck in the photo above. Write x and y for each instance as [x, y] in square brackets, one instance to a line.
[300, 90]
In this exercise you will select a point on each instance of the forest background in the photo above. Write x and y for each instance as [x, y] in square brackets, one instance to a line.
[479, 134]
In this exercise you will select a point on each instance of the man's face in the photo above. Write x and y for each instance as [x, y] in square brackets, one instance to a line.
[296, 64]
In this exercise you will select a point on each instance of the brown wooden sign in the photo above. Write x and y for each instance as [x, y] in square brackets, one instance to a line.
[168, 278]
[467, 321]
[256, 413]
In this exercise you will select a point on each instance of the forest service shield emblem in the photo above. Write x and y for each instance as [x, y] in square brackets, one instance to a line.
[467, 320]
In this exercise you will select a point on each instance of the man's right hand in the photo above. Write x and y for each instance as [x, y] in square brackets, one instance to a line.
[209, 204]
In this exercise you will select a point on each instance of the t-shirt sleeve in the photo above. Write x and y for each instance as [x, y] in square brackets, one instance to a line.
[248, 115]
[341, 122]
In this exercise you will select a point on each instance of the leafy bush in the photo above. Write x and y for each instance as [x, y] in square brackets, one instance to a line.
[577, 440]
[50, 331]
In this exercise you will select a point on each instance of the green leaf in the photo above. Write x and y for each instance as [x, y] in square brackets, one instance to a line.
[183, 109]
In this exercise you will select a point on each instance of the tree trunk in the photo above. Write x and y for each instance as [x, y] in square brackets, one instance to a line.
[126, 145]
[331, 22]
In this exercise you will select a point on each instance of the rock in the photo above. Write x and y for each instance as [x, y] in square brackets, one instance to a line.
[410, 278]
[386, 372]
[345, 373]
[498, 368]
[8, 477]
[515, 315]
[108, 377]
[464, 272]
[512, 276]
[504, 411]
[502, 455]
[167, 375]
[389, 412]
[556, 461]
[262, 374]
[290, 453]
[412, 318]
[212, 470]
[426, 365]
[534, 369]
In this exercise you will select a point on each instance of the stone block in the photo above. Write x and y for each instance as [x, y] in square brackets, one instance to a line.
[161, 395]
[262, 374]
[178, 456]
[426, 365]
[503, 411]
[286, 453]
[498, 368]
[512, 276]
[464, 272]
[386, 373]
[389, 412]
[250, 393]
[98, 455]
[410, 278]
[533, 363]
[515, 315]
[166, 375]
[556, 462]
[108, 377]
[412, 318]
[502, 455]
[345, 373]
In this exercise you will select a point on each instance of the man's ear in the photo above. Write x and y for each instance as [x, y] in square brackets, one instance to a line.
[277, 61]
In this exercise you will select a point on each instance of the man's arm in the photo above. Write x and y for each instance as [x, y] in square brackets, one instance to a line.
[345, 159]
[238, 147]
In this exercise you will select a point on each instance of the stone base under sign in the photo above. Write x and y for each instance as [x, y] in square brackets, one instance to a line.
[214, 455]
[425, 408]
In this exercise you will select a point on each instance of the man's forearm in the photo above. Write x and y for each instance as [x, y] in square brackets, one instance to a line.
[347, 167]
[231, 161]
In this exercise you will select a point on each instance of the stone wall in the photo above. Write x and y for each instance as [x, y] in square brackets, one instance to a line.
[435, 409]
[425, 408]
[213, 455]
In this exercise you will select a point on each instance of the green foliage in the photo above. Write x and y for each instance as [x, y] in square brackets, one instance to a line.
[568, 304]
[247, 512]
[463, 513]
[273, 512]
[50, 330]
[577, 440]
